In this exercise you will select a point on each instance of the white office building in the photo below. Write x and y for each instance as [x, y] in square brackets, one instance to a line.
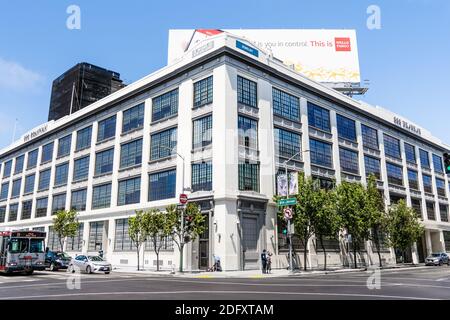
[227, 115]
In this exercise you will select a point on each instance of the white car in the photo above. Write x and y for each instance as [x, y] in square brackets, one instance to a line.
[89, 264]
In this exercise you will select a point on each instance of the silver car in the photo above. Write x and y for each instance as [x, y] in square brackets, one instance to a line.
[89, 264]
[437, 259]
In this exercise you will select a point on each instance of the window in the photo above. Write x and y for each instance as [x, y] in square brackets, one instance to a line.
[41, 207]
[53, 240]
[7, 169]
[19, 164]
[29, 183]
[372, 166]
[129, 191]
[249, 176]
[2, 214]
[247, 92]
[163, 144]
[133, 118]
[416, 204]
[287, 144]
[443, 209]
[413, 179]
[79, 200]
[395, 174]
[131, 154]
[392, 147]
[44, 180]
[81, 169]
[84, 138]
[59, 203]
[162, 185]
[5, 190]
[13, 211]
[16, 188]
[106, 129]
[437, 163]
[369, 137]
[349, 161]
[430, 211]
[202, 132]
[47, 153]
[320, 153]
[424, 159]
[32, 159]
[76, 243]
[410, 152]
[202, 176]
[319, 117]
[104, 162]
[427, 183]
[101, 196]
[286, 105]
[64, 145]
[440, 187]
[122, 240]
[95, 236]
[165, 105]
[248, 132]
[346, 128]
[26, 210]
[61, 174]
[165, 243]
[203, 92]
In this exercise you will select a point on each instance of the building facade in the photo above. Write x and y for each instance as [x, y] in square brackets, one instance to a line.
[220, 122]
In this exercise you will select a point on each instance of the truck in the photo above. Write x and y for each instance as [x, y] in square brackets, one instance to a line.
[22, 251]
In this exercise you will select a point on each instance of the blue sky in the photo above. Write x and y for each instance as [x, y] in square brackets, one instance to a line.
[407, 61]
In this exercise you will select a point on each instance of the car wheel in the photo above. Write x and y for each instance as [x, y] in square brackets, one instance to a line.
[88, 269]
[440, 263]
[29, 272]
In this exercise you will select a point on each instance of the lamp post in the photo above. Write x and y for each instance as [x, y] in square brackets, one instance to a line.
[291, 267]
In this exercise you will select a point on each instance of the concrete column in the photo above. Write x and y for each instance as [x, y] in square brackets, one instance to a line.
[71, 168]
[145, 152]
[116, 162]
[428, 243]
[362, 167]
[336, 160]
[52, 182]
[306, 156]
[91, 167]
[86, 228]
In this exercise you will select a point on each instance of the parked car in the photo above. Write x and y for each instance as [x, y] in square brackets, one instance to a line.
[55, 260]
[437, 259]
[90, 264]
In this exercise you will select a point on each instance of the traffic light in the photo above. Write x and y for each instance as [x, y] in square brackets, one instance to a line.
[447, 163]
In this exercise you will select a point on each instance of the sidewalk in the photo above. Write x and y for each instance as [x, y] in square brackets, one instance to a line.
[257, 274]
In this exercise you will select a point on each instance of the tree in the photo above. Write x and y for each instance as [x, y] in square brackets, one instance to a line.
[326, 222]
[403, 227]
[351, 207]
[184, 225]
[138, 232]
[375, 211]
[65, 224]
[156, 231]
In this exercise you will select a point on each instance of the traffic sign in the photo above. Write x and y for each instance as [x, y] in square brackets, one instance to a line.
[287, 213]
[287, 202]
[183, 198]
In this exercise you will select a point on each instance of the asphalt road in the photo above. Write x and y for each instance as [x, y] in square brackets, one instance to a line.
[430, 283]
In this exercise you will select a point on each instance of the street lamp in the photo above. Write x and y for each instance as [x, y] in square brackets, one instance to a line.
[291, 267]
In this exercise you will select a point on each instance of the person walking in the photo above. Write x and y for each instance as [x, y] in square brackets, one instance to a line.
[264, 261]
[268, 262]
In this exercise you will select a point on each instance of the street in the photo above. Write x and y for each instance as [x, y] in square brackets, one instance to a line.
[429, 283]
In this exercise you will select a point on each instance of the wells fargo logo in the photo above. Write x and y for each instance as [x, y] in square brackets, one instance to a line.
[342, 44]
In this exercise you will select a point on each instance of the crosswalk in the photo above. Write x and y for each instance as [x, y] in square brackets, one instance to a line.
[41, 276]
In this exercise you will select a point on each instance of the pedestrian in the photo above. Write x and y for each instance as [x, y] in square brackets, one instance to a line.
[217, 266]
[264, 261]
[269, 262]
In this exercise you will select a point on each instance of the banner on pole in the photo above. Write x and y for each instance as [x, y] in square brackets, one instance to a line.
[282, 185]
[293, 183]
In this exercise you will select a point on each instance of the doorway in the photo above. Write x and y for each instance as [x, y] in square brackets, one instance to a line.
[203, 246]
[250, 236]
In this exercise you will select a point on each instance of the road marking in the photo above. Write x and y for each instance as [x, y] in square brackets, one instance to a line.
[217, 292]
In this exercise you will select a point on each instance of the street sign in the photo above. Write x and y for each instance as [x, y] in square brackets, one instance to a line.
[287, 202]
[183, 198]
[287, 213]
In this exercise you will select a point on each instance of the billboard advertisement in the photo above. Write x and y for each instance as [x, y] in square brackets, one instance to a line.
[328, 56]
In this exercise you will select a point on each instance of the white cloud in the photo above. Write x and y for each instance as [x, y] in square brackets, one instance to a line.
[16, 77]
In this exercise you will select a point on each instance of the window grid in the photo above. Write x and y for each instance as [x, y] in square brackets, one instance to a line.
[133, 118]
[203, 92]
[84, 137]
[202, 176]
[15, 192]
[392, 147]
[395, 174]
[2, 214]
[443, 209]
[61, 174]
[249, 177]
[424, 159]
[163, 144]
[7, 169]
[165, 105]
[247, 92]
[413, 179]
[286, 105]
[369, 137]
[162, 185]
[106, 129]
[346, 128]
[410, 152]
[53, 241]
[27, 206]
[437, 163]
[202, 132]
[13, 212]
[430, 211]
[78, 202]
[287, 144]
[41, 207]
[81, 168]
[319, 117]
[440, 187]
[166, 244]
[64, 145]
[59, 203]
[131, 154]
[321, 153]
[122, 240]
[349, 160]
[5, 191]
[101, 196]
[104, 162]
[29, 183]
[427, 183]
[32, 159]
[417, 206]
[373, 166]
[18, 168]
[44, 180]
[76, 243]
[248, 132]
[47, 153]
[95, 236]
[129, 191]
